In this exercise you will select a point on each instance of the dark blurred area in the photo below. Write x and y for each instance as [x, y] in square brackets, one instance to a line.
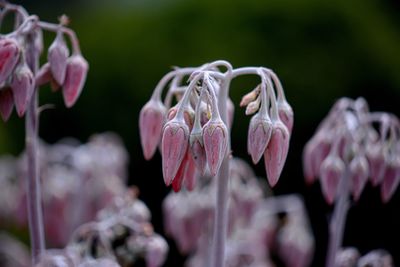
[321, 50]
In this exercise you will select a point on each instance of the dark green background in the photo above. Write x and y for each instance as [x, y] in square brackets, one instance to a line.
[321, 50]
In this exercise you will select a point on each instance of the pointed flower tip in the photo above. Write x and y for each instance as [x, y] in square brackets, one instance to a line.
[215, 136]
[332, 170]
[58, 58]
[151, 120]
[22, 85]
[174, 143]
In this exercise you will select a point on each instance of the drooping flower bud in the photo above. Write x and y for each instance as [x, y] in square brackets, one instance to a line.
[285, 114]
[250, 97]
[276, 152]
[174, 145]
[359, 172]
[391, 178]
[215, 136]
[43, 75]
[22, 85]
[347, 257]
[6, 103]
[376, 159]
[9, 55]
[58, 57]
[198, 152]
[259, 135]
[190, 178]
[151, 120]
[331, 172]
[156, 251]
[77, 68]
[178, 179]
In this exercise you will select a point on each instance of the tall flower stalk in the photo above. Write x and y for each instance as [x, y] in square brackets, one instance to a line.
[196, 130]
[350, 146]
[20, 78]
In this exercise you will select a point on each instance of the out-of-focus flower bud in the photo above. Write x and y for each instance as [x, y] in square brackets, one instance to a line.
[347, 257]
[9, 55]
[215, 137]
[286, 114]
[43, 75]
[391, 178]
[260, 130]
[58, 57]
[151, 120]
[376, 258]
[75, 77]
[22, 85]
[174, 141]
[359, 172]
[332, 170]
[156, 251]
[101, 262]
[276, 152]
[178, 179]
[376, 159]
[6, 103]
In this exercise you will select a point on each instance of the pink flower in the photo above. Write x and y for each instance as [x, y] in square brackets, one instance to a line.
[215, 136]
[286, 114]
[391, 178]
[276, 152]
[22, 85]
[359, 172]
[260, 131]
[174, 145]
[6, 103]
[77, 68]
[58, 58]
[9, 56]
[151, 120]
[332, 170]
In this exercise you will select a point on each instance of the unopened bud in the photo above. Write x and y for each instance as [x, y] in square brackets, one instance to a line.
[151, 120]
[77, 68]
[249, 97]
[215, 136]
[58, 56]
[6, 103]
[9, 55]
[198, 152]
[359, 172]
[376, 159]
[174, 145]
[286, 114]
[156, 251]
[331, 172]
[391, 178]
[276, 152]
[253, 106]
[260, 130]
[347, 257]
[23, 85]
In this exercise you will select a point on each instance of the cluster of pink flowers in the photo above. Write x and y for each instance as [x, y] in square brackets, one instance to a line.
[121, 235]
[194, 137]
[18, 71]
[255, 230]
[357, 144]
[68, 168]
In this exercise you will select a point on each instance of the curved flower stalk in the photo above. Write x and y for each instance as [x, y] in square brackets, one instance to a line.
[20, 77]
[351, 146]
[254, 230]
[199, 125]
[121, 235]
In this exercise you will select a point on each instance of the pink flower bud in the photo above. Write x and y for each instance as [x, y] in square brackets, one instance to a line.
[347, 257]
[376, 159]
[215, 136]
[331, 172]
[151, 120]
[198, 153]
[58, 56]
[174, 145]
[22, 85]
[156, 251]
[391, 179]
[276, 152]
[9, 55]
[310, 170]
[178, 179]
[43, 75]
[77, 68]
[359, 172]
[6, 103]
[260, 130]
[190, 178]
[286, 114]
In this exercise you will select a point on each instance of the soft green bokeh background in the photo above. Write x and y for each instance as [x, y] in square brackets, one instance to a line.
[321, 50]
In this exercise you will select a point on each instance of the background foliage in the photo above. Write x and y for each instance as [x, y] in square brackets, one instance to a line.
[321, 50]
